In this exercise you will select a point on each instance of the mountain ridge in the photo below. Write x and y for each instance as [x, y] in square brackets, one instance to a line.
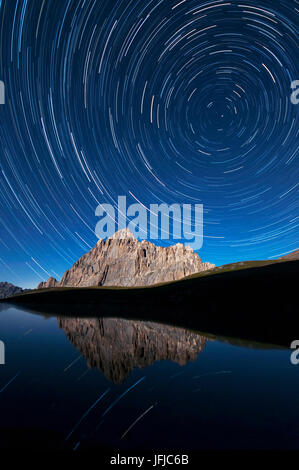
[124, 261]
[7, 290]
[258, 303]
[294, 255]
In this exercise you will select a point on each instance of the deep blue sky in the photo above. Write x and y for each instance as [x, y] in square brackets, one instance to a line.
[162, 101]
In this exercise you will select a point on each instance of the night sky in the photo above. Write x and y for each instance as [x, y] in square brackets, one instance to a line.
[162, 101]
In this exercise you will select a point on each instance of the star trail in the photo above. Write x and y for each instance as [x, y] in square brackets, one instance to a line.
[162, 101]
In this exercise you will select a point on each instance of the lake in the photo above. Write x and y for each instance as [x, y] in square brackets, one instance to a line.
[85, 383]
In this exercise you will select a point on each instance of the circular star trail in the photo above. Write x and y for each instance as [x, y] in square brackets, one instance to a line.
[162, 101]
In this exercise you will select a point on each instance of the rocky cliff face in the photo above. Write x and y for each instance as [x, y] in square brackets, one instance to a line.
[117, 346]
[291, 256]
[7, 290]
[122, 260]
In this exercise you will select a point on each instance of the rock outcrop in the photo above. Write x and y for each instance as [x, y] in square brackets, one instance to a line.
[291, 256]
[51, 282]
[117, 346]
[122, 260]
[7, 290]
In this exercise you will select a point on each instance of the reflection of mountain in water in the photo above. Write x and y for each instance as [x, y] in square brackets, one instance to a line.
[117, 346]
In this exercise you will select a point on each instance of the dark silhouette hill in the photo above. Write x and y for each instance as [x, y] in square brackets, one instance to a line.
[257, 303]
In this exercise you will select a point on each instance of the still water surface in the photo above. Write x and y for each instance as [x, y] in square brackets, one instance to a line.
[77, 383]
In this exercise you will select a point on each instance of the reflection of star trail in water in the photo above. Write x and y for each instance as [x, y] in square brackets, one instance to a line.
[87, 413]
[9, 382]
[190, 405]
[121, 396]
[137, 420]
[175, 101]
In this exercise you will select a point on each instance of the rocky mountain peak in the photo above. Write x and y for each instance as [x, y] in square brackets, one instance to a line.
[7, 290]
[124, 233]
[122, 260]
